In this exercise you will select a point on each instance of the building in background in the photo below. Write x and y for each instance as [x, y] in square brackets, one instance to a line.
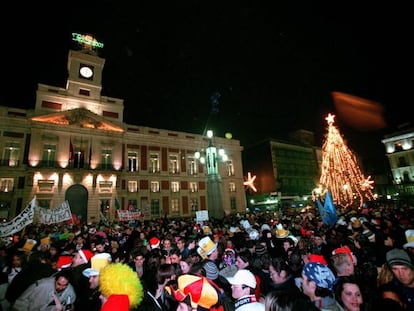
[286, 171]
[399, 148]
[75, 146]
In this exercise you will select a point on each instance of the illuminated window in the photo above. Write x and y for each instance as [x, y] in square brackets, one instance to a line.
[155, 207]
[132, 161]
[6, 184]
[49, 155]
[229, 168]
[45, 185]
[155, 186]
[132, 186]
[105, 186]
[175, 186]
[232, 187]
[11, 154]
[193, 187]
[154, 166]
[106, 159]
[194, 204]
[174, 164]
[175, 208]
[192, 166]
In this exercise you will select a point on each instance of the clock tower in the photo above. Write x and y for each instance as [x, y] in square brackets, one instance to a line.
[85, 69]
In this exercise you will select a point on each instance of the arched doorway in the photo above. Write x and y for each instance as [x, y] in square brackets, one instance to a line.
[77, 196]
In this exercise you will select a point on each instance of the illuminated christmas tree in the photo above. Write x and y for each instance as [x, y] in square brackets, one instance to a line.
[340, 172]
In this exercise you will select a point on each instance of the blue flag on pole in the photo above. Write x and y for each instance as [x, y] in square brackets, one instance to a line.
[328, 210]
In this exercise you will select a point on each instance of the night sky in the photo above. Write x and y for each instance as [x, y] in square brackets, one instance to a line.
[256, 69]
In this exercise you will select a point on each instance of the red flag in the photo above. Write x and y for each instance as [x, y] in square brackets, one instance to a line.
[71, 154]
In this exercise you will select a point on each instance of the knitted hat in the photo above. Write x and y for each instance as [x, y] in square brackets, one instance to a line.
[206, 247]
[260, 249]
[243, 277]
[98, 262]
[320, 274]
[154, 242]
[86, 254]
[64, 262]
[398, 256]
[211, 269]
[197, 289]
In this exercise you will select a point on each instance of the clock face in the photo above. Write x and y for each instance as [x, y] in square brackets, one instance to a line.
[86, 72]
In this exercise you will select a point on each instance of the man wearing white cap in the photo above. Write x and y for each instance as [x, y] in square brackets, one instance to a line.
[93, 302]
[243, 285]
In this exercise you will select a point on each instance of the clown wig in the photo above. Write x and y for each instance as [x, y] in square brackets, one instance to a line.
[120, 280]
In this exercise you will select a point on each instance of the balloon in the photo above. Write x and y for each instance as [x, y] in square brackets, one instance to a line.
[229, 135]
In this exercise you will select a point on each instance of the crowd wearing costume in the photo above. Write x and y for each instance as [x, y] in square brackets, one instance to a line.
[258, 261]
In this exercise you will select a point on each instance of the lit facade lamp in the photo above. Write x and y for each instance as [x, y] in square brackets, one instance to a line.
[211, 160]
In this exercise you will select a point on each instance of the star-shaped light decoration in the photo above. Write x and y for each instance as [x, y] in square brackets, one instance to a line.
[330, 118]
[250, 182]
[367, 184]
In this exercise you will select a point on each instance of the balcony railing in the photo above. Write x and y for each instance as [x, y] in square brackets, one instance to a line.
[8, 162]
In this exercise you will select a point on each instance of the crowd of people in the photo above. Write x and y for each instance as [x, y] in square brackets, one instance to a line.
[269, 261]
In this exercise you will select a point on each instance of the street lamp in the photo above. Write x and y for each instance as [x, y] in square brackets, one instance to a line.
[213, 179]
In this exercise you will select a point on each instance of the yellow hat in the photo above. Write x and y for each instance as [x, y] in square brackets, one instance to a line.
[281, 232]
[98, 262]
[28, 245]
[205, 247]
[409, 235]
[45, 241]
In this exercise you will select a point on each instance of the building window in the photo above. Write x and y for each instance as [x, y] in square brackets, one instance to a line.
[132, 161]
[154, 166]
[232, 187]
[11, 154]
[175, 186]
[106, 159]
[174, 164]
[192, 166]
[78, 157]
[49, 155]
[84, 92]
[155, 208]
[233, 204]
[132, 186]
[193, 187]
[229, 168]
[194, 204]
[6, 184]
[155, 186]
[402, 162]
[105, 186]
[45, 185]
[175, 208]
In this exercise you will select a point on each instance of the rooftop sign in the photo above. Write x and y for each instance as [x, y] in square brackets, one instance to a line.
[87, 41]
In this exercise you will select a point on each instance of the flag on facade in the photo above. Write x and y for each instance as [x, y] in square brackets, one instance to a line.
[71, 152]
[90, 154]
[328, 210]
[117, 205]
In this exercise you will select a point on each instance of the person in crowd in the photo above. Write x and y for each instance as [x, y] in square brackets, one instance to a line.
[279, 301]
[80, 262]
[282, 279]
[93, 301]
[389, 297]
[211, 272]
[243, 261]
[317, 283]
[207, 249]
[243, 285]
[403, 271]
[343, 261]
[348, 293]
[48, 294]
[185, 265]
[18, 262]
[184, 246]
